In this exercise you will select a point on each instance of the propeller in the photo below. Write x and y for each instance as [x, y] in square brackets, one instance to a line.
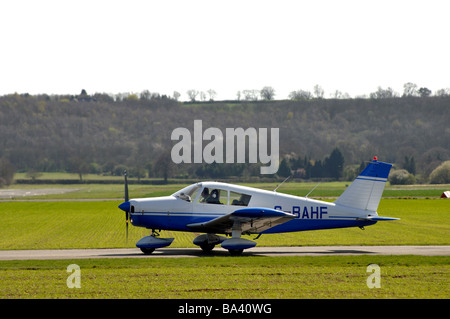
[127, 211]
[125, 206]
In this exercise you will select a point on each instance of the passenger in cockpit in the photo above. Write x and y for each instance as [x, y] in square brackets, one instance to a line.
[214, 197]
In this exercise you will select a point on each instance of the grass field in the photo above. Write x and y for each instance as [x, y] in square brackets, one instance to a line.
[323, 190]
[100, 224]
[97, 224]
[229, 277]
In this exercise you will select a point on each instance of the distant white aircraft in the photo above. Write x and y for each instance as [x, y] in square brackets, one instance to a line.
[216, 208]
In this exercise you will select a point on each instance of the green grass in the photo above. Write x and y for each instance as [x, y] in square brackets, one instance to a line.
[335, 189]
[323, 190]
[66, 176]
[229, 277]
[97, 224]
[100, 191]
[100, 224]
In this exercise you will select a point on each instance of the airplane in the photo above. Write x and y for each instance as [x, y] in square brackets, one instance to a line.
[216, 209]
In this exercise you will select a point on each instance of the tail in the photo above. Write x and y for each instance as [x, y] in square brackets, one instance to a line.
[365, 192]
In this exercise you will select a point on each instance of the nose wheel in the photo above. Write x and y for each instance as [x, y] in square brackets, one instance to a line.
[150, 250]
[148, 244]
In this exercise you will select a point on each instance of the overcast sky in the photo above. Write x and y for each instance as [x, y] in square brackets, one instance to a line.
[64, 46]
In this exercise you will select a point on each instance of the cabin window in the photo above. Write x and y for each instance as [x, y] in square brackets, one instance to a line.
[195, 193]
[214, 196]
[188, 193]
[238, 199]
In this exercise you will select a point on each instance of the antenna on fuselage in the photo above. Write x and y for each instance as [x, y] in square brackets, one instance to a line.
[282, 182]
[312, 190]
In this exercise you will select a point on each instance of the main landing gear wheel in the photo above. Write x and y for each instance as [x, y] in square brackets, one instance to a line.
[207, 248]
[147, 251]
[235, 252]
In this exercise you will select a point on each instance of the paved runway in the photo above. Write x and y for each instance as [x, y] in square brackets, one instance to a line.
[15, 193]
[196, 252]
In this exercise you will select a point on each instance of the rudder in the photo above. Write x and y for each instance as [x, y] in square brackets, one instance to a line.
[366, 190]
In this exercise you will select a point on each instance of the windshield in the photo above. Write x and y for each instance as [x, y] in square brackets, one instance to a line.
[187, 192]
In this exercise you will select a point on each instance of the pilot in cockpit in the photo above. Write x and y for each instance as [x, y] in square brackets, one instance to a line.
[204, 195]
[210, 197]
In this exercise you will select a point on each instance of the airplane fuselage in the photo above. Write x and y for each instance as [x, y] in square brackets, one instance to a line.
[176, 212]
[214, 208]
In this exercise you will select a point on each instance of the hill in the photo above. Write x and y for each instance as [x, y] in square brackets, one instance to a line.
[101, 135]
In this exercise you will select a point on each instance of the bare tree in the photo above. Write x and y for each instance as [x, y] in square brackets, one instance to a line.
[318, 91]
[250, 95]
[267, 93]
[192, 94]
[176, 95]
[300, 95]
[383, 93]
[145, 95]
[443, 92]
[212, 94]
[409, 89]
[336, 95]
[339, 95]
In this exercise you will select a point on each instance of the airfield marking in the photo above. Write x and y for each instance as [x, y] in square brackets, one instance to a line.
[196, 252]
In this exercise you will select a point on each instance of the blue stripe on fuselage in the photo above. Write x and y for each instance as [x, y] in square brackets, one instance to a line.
[315, 224]
[178, 222]
[173, 221]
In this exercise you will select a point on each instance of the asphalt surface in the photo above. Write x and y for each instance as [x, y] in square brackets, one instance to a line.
[196, 252]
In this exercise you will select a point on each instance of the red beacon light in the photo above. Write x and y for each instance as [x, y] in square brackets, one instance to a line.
[375, 158]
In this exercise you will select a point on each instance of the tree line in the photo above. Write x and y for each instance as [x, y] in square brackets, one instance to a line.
[103, 135]
[268, 93]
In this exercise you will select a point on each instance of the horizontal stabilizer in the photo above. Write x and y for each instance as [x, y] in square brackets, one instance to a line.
[377, 218]
[384, 218]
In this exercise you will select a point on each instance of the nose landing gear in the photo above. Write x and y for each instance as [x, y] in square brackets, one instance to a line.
[148, 244]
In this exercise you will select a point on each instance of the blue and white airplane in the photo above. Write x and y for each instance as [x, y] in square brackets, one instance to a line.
[216, 208]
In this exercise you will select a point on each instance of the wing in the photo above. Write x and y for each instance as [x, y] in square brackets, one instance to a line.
[251, 219]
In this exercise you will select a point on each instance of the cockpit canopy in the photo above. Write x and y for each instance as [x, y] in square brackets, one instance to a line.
[213, 193]
[187, 192]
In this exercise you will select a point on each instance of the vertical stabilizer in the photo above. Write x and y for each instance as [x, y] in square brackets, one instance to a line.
[365, 192]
